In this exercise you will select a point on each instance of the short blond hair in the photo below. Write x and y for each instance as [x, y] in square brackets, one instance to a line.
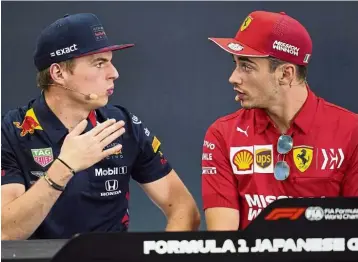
[44, 79]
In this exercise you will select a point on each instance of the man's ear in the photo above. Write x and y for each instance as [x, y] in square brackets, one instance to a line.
[57, 73]
[286, 74]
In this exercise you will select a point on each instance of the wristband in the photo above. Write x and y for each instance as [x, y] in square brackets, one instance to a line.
[63, 162]
[53, 184]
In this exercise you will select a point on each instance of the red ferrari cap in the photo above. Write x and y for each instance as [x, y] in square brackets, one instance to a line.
[264, 34]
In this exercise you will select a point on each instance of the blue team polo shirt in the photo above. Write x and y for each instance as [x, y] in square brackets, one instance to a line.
[95, 199]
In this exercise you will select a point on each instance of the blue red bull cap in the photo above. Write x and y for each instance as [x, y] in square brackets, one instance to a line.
[72, 36]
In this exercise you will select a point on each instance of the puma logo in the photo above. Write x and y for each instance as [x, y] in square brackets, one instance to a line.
[242, 131]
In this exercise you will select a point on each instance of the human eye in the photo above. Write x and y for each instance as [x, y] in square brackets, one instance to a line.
[100, 64]
[245, 66]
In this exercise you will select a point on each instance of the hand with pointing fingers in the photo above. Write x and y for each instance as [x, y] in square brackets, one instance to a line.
[82, 151]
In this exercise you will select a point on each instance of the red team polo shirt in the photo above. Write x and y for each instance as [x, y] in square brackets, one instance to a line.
[239, 154]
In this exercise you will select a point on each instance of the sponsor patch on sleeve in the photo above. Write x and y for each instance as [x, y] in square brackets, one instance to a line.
[155, 144]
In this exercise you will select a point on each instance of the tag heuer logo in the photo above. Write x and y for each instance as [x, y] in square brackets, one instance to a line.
[42, 156]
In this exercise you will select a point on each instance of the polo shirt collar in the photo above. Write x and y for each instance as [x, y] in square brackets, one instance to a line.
[303, 119]
[51, 125]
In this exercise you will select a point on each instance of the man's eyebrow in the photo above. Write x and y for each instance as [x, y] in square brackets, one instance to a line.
[99, 59]
[246, 59]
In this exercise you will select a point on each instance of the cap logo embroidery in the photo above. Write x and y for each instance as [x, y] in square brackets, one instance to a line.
[64, 51]
[61, 40]
[246, 23]
[307, 58]
[99, 33]
[287, 48]
[235, 47]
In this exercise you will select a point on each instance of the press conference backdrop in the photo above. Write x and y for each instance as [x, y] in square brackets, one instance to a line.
[175, 80]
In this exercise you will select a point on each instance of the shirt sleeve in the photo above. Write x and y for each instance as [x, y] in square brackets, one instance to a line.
[219, 185]
[349, 186]
[151, 163]
[10, 171]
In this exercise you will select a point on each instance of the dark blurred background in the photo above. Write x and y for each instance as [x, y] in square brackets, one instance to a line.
[175, 80]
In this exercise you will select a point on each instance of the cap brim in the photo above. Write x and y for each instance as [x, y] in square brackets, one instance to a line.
[241, 49]
[108, 48]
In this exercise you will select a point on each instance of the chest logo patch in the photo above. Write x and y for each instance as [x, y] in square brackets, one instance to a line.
[263, 159]
[302, 156]
[242, 160]
[29, 124]
[42, 156]
[330, 158]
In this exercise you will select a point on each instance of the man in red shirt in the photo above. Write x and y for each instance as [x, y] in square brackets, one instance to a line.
[285, 141]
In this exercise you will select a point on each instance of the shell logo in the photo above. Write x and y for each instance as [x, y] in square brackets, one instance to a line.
[243, 160]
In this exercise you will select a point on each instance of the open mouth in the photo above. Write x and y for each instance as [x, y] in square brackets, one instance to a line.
[110, 91]
[238, 91]
[240, 95]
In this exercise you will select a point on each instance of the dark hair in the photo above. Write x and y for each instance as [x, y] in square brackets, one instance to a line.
[301, 70]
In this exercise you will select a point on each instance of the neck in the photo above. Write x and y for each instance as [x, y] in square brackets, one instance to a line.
[67, 111]
[291, 102]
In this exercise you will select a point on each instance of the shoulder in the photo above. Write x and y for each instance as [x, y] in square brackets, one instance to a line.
[133, 123]
[15, 117]
[115, 111]
[340, 116]
[120, 112]
[230, 121]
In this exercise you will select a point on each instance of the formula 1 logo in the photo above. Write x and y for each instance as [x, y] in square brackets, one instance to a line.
[285, 213]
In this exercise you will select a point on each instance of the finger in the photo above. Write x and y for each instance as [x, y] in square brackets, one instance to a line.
[109, 130]
[109, 139]
[81, 126]
[101, 126]
[111, 151]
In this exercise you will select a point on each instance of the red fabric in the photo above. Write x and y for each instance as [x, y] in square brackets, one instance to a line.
[92, 118]
[266, 33]
[238, 168]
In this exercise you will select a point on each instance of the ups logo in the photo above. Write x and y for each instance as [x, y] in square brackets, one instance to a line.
[263, 157]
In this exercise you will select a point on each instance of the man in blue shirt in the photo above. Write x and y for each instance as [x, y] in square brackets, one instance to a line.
[67, 157]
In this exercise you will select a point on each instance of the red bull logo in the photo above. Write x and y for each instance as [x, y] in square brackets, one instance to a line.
[162, 158]
[29, 124]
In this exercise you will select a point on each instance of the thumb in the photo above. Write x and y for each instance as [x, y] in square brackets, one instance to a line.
[81, 126]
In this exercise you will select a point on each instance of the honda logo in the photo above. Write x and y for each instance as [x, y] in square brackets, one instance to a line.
[111, 185]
